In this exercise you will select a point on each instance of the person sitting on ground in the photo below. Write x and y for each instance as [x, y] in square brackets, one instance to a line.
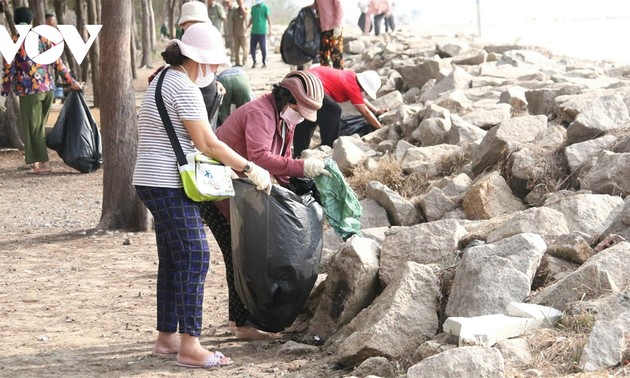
[339, 86]
[237, 91]
[262, 131]
[183, 251]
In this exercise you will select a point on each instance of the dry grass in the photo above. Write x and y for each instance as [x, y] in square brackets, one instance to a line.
[557, 351]
[389, 173]
[452, 164]
[551, 172]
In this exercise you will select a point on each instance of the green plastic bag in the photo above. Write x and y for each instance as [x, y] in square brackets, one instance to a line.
[341, 206]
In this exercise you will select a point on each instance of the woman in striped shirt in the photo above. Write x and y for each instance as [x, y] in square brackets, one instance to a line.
[183, 250]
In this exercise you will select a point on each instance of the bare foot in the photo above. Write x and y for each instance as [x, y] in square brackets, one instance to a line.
[167, 343]
[192, 354]
[250, 333]
[45, 167]
[232, 325]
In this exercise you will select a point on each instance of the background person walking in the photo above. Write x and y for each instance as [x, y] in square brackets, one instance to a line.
[260, 23]
[239, 34]
[34, 84]
[330, 14]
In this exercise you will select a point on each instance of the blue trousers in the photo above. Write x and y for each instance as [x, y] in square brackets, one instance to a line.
[221, 230]
[184, 258]
[258, 39]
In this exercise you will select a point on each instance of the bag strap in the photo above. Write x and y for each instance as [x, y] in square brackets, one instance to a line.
[166, 120]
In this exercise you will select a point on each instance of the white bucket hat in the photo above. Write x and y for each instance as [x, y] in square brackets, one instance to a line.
[370, 82]
[202, 43]
[194, 11]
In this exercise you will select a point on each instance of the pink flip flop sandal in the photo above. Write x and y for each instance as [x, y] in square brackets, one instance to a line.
[214, 360]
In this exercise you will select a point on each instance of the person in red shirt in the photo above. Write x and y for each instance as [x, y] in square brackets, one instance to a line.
[339, 86]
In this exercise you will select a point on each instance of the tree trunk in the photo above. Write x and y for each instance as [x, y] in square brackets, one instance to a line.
[146, 36]
[20, 3]
[152, 27]
[171, 17]
[122, 209]
[134, 72]
[80, 10]
[9, 17]
[37, 6]
[94, 57]
[9, 106]
[9, 122]
[60, 13]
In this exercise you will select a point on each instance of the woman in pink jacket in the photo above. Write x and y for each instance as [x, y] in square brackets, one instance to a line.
[262, 132]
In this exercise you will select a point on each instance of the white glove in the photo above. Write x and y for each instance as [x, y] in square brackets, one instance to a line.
[260, 177]
[337, 31]
[314, 167]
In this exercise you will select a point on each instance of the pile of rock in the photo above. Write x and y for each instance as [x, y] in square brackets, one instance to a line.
[531, 226]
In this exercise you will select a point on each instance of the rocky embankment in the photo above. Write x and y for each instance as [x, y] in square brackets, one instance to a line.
[521, 231]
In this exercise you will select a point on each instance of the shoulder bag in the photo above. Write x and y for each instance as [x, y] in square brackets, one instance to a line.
[203, 178]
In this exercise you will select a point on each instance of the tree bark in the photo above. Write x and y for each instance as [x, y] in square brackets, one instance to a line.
[132, 41]
[9, 17]
[60, 13]
[37, 7]
[122, 209]
[171, 17]
[9, 106]
[9, 122]
[146, 36]
[152, 27]
[94, 57]
[80, 13]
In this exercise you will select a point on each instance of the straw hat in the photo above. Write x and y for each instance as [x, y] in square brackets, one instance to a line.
[307, 90]
[202, 43]
[370, 82]
[194, 11]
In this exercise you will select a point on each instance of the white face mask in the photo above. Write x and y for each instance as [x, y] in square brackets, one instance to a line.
[202, 80]
[291, 116]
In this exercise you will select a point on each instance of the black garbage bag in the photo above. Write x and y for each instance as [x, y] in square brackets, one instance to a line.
[355, 124]
[304, 185]
[277, 244]
[75, 136]
[300, 41]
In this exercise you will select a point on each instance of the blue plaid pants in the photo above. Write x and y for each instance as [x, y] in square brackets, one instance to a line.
[184, 257]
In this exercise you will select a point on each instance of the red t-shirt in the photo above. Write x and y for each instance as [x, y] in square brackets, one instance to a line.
[340, 85]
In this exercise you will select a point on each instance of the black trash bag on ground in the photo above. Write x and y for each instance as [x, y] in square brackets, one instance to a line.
[75, 136]
[355, 124]
[300, 41]
[277, 243]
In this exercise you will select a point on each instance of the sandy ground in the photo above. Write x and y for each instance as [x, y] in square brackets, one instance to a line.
[77, 302]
